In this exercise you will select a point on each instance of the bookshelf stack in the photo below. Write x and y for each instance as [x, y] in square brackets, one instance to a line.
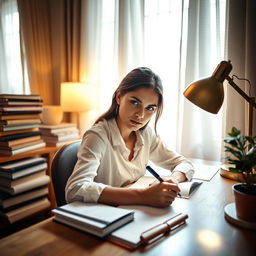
[58, 135]
[19, 123]
[23, 188]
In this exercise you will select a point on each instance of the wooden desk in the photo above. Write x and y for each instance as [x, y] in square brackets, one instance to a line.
[206, 233]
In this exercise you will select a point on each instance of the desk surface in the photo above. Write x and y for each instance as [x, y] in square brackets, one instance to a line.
[206, 232]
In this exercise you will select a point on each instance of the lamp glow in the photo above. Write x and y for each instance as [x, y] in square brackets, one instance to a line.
[77, 97]
[82, 99]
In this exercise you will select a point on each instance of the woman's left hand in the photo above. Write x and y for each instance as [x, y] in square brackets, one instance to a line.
[177, 177]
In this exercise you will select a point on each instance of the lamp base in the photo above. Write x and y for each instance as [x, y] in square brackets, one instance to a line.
[84, 120]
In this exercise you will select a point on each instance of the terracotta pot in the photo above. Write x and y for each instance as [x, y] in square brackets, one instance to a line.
[245, 204]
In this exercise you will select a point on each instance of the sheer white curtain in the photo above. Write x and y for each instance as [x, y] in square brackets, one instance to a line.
[179, 40]
[13, 78]
[111, 44]
[200, 133]
[165, 45]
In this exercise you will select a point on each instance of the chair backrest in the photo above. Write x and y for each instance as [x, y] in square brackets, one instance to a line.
[63, 164]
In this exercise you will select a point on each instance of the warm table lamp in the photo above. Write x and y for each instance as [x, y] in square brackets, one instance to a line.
[208, 93]
[80, 98]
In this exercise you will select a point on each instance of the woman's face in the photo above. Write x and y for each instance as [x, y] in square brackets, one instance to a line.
[136, 108]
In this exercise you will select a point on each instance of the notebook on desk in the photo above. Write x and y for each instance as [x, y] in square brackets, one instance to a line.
[150, 223]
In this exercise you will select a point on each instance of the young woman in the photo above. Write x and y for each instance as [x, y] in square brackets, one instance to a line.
[116, 150]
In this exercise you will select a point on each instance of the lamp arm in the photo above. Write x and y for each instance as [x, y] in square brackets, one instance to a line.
[250, 100]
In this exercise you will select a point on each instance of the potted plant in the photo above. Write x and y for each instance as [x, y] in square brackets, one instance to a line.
[242, 157]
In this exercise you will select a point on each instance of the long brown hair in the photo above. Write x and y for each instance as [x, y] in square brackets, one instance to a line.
[138, 78]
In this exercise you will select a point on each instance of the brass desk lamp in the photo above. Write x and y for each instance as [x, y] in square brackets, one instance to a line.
[208, 93]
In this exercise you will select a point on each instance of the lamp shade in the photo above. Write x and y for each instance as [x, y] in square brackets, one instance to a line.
[208, 93]
[77, 97]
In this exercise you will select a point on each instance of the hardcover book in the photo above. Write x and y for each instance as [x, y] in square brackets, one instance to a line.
[20, 108]
[57, 126]
[26, 210]
[19, 181]
[59, 131]
[20, 121]
[63, 138]
[23, 172]
[10, 143]
[22, 145]
[17, 97]
[7, 201]
[26, 186]
[28, 133]
[22, 164]
[17, 127]
[21, 150]
[19, 102]
[96, 219]
[21, 112]
[21, 116]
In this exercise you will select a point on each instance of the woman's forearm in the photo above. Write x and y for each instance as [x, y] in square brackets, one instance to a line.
[117, 196]
[159, 195]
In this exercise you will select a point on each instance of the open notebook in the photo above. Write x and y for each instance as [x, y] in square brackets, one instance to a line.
[186, 188]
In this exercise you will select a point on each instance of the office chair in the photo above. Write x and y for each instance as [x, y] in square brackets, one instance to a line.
[63, 164]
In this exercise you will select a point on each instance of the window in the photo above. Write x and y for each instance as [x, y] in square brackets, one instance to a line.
[11, 66]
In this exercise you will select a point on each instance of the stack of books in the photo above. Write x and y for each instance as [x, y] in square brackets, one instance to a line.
[19, 123]
[58, 135]
[23, 188]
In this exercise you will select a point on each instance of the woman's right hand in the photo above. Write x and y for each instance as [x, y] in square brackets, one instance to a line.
[160, 194]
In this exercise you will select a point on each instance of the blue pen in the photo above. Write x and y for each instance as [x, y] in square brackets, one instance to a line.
[156, 175]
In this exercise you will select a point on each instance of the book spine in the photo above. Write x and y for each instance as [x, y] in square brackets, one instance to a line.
[24, 172]
[19, 136]
[17, 165]
[22, 150]
[18, 127]
[27, 186]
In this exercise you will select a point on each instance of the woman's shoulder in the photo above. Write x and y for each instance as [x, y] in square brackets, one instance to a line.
[100, 129]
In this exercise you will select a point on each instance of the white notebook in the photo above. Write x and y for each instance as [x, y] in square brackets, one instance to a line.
[186, 188]
[145, 218]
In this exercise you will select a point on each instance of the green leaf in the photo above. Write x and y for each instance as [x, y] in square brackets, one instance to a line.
[231, 169]
[236, 153]
[250, 140]
[242, 156]
[234, 132]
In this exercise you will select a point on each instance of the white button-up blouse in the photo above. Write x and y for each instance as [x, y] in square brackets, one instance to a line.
[103, 161]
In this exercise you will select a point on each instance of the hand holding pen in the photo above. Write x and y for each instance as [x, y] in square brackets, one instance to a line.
[157, 176]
